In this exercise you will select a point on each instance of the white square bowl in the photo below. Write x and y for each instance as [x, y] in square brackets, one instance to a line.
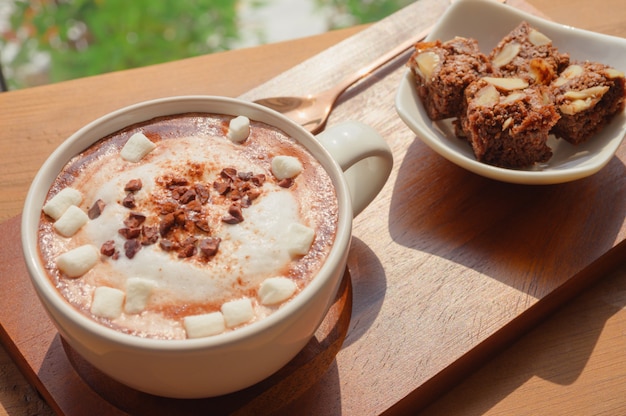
[488, 22]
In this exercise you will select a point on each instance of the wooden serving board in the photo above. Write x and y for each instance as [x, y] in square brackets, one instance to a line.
[446, 266]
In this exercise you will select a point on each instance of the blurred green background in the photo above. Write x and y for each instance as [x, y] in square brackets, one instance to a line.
[44, 41]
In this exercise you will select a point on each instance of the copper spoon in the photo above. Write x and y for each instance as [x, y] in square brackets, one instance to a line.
[312, 111]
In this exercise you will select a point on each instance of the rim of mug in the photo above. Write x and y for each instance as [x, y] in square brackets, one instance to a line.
[123, 117]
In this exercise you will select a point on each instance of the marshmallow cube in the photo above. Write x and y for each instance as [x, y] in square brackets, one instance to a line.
[137, 147]
[71, 221]
[107, 302]
[78, 261]
[300, 237]
[237, 312]
[205, 325]
[59, 203]
[138, 292]
[239, 129]
[284, 167]
[276, 290]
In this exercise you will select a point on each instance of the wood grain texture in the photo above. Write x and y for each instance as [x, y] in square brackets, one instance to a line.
[558, 366]
[446, 267]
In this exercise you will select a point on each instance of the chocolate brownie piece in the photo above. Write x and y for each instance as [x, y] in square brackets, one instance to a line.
[588, 95]
[527, 53]
[443, 70]
[507, 121]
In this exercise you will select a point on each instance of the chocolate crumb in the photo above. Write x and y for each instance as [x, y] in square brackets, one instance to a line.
[229, 173]
[178, 192]
[285, 183]
[180, 217]
[134, 220]
[129, 233]
[167, 223]
[108, 248]
[235, 194]
[258, 180]
[96, 209]
[203, 225]
[188, 248]
[245, 201]
[253, 194]
[189, 226]
[129, 201]
[194, 205]
[169, 206]
[209, 246]
[176, 181]
[149, 235]
[235, 216]
[168, 245]
[245, 176]
[188, 196]
[202, 193]
[221, 187]
[133, 185]
[131, 247]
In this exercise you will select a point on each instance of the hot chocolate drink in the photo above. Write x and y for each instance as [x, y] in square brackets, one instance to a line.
[187, 226]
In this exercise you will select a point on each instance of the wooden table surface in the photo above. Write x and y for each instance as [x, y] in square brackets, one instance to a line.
[572, 362]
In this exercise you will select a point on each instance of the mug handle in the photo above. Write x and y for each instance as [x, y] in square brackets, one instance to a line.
[363, 155]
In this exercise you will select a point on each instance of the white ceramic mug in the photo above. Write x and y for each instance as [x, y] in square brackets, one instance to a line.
[358, 161]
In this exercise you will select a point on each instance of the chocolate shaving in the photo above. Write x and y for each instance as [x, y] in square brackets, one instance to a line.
[234, 194]
[96, 209]
[176, 181]
[253, 194]
[221, 187]
[134, 220]
[245, 201]
[108, 248]
[149, 235]
[235, 216]
[180, 217]
[169, 206]
[183, 226]
[285, 183]
[258, 180]
[203, 225]
[189, 226]
[129, 201]
[167, 223]
[188, 247]
[177, 192]
[229, 173]
[194, 205]
[202, 193]
[129, 233]
[245, 176]
[209, 246]
[133, 185]
[188, 196]
[168, 245]
[131, 247]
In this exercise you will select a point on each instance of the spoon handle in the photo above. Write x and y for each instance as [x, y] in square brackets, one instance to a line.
[351, 79]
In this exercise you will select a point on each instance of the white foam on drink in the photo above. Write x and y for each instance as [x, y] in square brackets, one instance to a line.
[250, 251]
